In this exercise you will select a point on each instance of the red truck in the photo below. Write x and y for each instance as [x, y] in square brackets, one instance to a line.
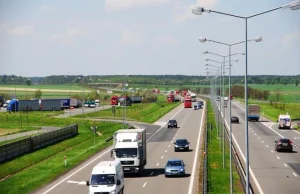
[170, 98]
[187, 103]
[114, 100]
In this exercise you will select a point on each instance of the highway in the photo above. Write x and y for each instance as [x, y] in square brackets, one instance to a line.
[160, 148]
[275, 172]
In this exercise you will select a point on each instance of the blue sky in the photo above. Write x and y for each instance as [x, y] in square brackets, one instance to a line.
[107, 37]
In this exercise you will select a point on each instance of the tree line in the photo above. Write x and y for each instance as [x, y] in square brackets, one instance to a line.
[155, 80]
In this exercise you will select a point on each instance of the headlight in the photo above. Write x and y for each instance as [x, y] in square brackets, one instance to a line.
[176, 146]
[186, 145]
[181, 169]
[113, 192]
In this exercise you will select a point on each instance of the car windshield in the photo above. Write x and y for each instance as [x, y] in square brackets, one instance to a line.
[172, 121]
[285, 120]
[126, 152]
[181, 141]
[174, 163]
[284, 140]
[103, 179]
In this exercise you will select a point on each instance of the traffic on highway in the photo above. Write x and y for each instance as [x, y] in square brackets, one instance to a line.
[171, 152]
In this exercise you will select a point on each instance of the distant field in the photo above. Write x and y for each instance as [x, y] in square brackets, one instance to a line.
[54, 87]
[280, 87]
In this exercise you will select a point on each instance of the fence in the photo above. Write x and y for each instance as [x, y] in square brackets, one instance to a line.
[30, 144]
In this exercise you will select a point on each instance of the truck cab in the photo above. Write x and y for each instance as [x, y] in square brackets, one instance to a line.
[130, 149]
[107, 177]
[284, 121]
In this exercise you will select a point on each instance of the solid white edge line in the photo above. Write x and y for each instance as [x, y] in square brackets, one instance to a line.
[102, 154]
[76, 171]
[196, 153]
[250, 170]
[163, 125]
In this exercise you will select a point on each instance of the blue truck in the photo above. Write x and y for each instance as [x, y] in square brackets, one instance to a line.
[253, 112]
[13, 105]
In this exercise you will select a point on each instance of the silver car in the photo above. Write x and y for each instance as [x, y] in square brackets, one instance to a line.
[175, 167]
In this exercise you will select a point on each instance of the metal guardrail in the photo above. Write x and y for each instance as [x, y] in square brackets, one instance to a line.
[237, 161]
[205, 162]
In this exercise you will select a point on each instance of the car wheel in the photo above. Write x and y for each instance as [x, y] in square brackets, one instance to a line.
[168, 126]
[175, 126]
[175, 150]
[188, 148]
[166, 176]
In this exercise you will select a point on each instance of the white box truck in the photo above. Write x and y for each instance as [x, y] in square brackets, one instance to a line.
[107, 177]
[129, 147]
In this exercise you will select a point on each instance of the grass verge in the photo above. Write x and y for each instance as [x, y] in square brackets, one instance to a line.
[219, 178]
[47, 164]
[145, 112]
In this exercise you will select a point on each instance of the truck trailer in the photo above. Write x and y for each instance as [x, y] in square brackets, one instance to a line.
[129, 147]
[253, 112]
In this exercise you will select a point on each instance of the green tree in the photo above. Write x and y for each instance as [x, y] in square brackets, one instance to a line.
[38, 93]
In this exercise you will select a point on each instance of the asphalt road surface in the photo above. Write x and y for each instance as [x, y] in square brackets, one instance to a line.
[273, 172]
[160, 148]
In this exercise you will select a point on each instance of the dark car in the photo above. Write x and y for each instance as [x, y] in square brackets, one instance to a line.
[200, 102]
[172, 123]
[283, 144]
[195, 107]
[181, 144]
[235, 119]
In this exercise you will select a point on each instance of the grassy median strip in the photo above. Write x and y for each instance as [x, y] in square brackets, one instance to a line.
[219, 178]
[45, 165]
[144, 112]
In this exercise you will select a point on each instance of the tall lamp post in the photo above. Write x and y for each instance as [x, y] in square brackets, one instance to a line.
[230, 124]
[295, 5]
[124, 100]
[222, 107]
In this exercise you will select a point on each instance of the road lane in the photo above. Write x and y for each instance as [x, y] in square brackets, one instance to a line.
[82, 172]
[268, 166]
[161, 185]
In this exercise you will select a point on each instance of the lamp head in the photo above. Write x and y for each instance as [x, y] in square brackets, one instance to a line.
[198, 10]
[295, 5]
[258, 39]
[205, 52]
[202, 40]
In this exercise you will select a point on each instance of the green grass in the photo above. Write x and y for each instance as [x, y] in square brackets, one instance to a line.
[275, 87]
[218, 177]
[47, 164]
[54, 87]
[144, 112]
[272, 111]
[31, 121]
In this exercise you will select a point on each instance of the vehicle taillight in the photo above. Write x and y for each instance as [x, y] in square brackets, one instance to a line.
[291, 142]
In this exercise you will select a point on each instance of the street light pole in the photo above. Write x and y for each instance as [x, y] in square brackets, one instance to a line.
[295, 5]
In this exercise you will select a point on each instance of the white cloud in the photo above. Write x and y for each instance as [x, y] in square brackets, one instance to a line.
[168, 39]
[293, 37]
[115, 5]
[69, 36]
[46, 8]
[21, 30]
[185, 12]
[130, 37]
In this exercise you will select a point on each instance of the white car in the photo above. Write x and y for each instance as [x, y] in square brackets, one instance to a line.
[6, 103]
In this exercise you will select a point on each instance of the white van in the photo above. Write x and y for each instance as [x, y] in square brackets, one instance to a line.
[107, 177]
[97, 102]
[284, 121]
